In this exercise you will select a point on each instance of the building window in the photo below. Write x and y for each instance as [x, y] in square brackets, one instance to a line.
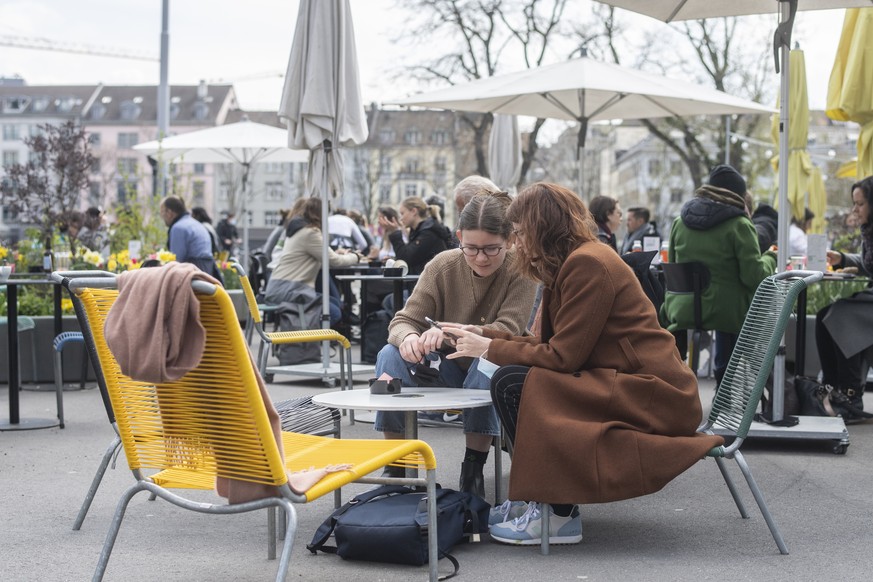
[98, 111]
[198, 190]
[94, 139]
[386, 136]
[224, 191]
[199, 168]
[273, 167]
[410, 189]
[11, 132]
[15, 104]
[41, 103]
[126, 191]
[94, 192]
[654, 168]
[201, 111]
[274, 190]
[130, 110]
[439, 164]
[127, 140]
[95, 165]
[272, 218]
[411, 166]
[385, 164]
[10, 158]
[127, 166]
[439, 137]
[412, 137]
[385, 192]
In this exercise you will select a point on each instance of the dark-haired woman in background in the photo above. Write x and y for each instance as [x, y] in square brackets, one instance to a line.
[607, 216]
[844, 330]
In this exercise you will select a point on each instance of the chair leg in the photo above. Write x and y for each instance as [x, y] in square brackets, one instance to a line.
[432, 545]
[271, 533]
[113, 531]
[731, 487]
[59, 385]
[762, 505]
[95, 483]
[290, 525]
[498, 469]
[694, 351]
[544, 536]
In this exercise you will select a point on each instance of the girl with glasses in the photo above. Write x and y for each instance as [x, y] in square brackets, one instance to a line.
[472, 284]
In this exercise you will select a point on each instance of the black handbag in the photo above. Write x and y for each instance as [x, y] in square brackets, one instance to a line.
[389, 524]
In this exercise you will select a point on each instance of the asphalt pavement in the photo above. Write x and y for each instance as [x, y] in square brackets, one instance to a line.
[690, 530]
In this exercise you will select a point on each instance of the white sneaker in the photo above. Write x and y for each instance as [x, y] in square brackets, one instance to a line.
[527, 529]
[507, 511]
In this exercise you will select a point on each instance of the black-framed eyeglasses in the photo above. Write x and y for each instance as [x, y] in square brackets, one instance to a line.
[487, 251]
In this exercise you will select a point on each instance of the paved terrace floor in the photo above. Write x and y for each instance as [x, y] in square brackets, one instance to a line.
[688, 531]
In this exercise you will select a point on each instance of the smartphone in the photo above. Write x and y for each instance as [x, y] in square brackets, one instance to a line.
[433, 323]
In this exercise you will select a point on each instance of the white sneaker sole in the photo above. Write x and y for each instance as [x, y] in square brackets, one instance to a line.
[553, 541]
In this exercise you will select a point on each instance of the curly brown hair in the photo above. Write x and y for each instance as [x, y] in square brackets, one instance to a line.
[553, 222]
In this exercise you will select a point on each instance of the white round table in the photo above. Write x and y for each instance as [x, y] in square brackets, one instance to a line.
[409, 401]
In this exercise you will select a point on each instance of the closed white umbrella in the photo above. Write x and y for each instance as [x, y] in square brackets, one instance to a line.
[243, 143]
[504, 152]
[321, 105]
[585, 90]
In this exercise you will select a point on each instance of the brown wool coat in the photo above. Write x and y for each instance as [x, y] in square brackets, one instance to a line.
[608, 411]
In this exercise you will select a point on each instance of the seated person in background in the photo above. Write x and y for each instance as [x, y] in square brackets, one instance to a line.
[428, 236]
[638, 226]
[797, 233]
[199, 214]
[766, 221]
[714, 229]
[844, 330]
[295, 274]
[607, 216]
[364, 227]
[599, 407]
[188, 239]
[471, 284]
[345, 234]
[387, 214]
[94, 235]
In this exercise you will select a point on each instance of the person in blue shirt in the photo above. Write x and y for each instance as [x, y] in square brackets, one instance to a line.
[187, 238]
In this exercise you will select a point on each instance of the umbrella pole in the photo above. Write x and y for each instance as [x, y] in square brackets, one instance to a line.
[784, 41]
[244, 216]
[325, 261]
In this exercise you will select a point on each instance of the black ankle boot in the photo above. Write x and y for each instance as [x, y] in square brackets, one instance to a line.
[849, 404]
[472, 478]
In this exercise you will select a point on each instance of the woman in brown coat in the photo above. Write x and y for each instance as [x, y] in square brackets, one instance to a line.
[599, 407]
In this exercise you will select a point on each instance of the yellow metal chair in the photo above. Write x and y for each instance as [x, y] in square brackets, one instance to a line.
[268, 339]
[213, 423]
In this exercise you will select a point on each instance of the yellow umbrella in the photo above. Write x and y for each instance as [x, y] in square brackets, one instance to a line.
[848, 169]
[799, 163]
[850, 91]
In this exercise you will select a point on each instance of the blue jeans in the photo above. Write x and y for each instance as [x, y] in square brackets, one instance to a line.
[480, 420]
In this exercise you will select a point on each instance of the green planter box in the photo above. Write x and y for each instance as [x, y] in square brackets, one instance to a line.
[35, 347]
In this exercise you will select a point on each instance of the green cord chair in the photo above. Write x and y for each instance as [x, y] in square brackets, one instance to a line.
[737, 397]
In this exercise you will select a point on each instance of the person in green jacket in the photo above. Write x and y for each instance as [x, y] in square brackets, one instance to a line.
[715, 229]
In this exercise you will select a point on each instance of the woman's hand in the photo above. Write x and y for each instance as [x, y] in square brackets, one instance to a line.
[835, 259]
[388, 226]
[410, 349]
[476, 329]
[467, 343]
[431, 340]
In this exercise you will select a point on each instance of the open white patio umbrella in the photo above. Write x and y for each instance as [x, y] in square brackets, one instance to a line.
[584, 90]
[243, 143]
[671, 10]
[321, 105]
[504, 152]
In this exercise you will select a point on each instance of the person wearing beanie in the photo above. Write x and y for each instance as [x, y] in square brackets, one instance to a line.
[715, 229]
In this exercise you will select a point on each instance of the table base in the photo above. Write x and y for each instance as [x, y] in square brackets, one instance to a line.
[808, 427]
[30, 424]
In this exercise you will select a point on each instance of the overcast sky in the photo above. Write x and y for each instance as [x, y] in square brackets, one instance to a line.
[247, 43]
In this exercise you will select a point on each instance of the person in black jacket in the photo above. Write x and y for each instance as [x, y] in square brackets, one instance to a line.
[428, 236]
[766, 221]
